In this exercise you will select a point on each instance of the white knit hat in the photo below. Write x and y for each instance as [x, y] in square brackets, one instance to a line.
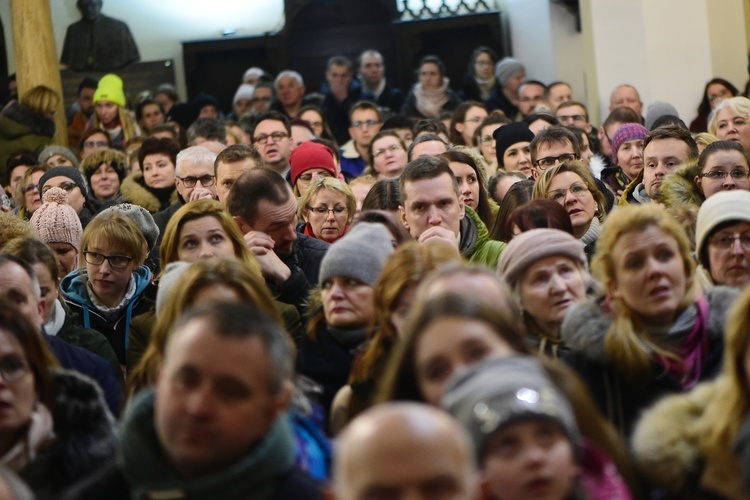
[724, 206]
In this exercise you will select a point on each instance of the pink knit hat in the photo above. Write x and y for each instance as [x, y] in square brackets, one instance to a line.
[627, 132]
[56, 221]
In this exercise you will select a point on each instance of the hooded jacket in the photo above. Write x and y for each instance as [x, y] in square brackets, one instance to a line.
[22, 128]
[73, 288]
[475, 244]
[85, 436]
[134, 190]
[679, 188]
[621, 399]
[667, 449]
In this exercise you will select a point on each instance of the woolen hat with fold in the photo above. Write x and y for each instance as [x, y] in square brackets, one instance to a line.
[360, 254]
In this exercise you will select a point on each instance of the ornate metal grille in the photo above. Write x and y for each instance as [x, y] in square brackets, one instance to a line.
[412, 10]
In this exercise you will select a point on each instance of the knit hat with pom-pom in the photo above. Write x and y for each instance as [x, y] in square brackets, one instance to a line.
[56, 221]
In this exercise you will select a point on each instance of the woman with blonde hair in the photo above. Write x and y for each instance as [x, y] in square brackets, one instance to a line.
[204, 281]
[110, 113]
[572, 185]
[685, 443]
[327, 209]
[28, 123]
[730, 121]
[653, 333]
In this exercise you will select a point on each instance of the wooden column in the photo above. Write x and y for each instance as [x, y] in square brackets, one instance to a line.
[36, 55]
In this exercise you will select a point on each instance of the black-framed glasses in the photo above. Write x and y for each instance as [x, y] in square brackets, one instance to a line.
[65, 186]
[576, 190]
[115, 261]
[716, 175]
[551, 161]
[323, 211]
[13, 368]
[264, 138]
[205, 180]
[725, 241]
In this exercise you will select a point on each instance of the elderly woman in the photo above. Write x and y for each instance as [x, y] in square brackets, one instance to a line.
[27, 190]
[387, 154]
[56, 428]
[653, 333]
[572, 185]
[339, 325]
[153, 187]
[105, 170]
[627, 155]
[70, 180]
[110, 287]
[729, 121]
[308, 161]
[722, 240]
[431, 94]
[685, 444]
[548, 273]
[327, 209]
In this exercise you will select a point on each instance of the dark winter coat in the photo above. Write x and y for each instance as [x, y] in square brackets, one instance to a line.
[22, 128]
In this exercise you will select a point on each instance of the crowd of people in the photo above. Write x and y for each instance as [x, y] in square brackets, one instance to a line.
[455, 291]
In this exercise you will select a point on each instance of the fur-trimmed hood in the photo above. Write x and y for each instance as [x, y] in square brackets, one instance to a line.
[679, 188]
[20, 121]
[135, 191]
[666, 446]
[85, 431]
[586, 323]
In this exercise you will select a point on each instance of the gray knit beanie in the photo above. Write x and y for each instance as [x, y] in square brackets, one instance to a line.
[501, 391]
[506, 69]
[71, 173]
[143, 219]
[657, 110]
[724, 206]
[167, 281]
[535, 244]
[360, 254]
[53, 149]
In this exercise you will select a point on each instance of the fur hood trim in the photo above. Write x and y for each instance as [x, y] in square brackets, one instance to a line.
[36, 122]
[666, 440]
[136, 193]
[679, 188]
[586, 323]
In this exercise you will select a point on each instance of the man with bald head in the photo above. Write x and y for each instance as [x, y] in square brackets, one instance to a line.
[404, 450]
[627, 95]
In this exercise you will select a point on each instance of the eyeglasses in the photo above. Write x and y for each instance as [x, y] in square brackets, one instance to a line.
[66, 186]
[264, 138]
[206, 181]
[571, 118]
[12, 368]
[577, 190]
[550, 161]
[486, 139]
[722, 174]
[389, 149]
[95, 144]
[724, 242]
[115, 261]
[29, 188]
[364, 123]
[721, 94]
[323, 211]
[476, 119]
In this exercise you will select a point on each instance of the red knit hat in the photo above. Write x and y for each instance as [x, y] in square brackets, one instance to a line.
[309, 155]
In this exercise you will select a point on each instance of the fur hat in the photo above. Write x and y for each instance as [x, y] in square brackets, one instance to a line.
[360, 254]
[501, 391]
[110, 89]
[627, 132]
[506, 69]
[53, 149]
[244, 91]
[143, 219]
[530, 246]
[724, 206]
[510, 134]
[56, 221]
[309, 155]
[71, 173]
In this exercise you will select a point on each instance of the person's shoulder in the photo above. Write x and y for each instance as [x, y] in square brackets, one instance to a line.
[298, 485]
[312, 244]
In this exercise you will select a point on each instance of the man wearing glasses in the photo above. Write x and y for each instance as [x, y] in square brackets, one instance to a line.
[365, 124]
[273, 139]
[552, 146]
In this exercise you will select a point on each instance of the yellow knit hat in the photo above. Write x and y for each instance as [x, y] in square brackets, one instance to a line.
[109, 88]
